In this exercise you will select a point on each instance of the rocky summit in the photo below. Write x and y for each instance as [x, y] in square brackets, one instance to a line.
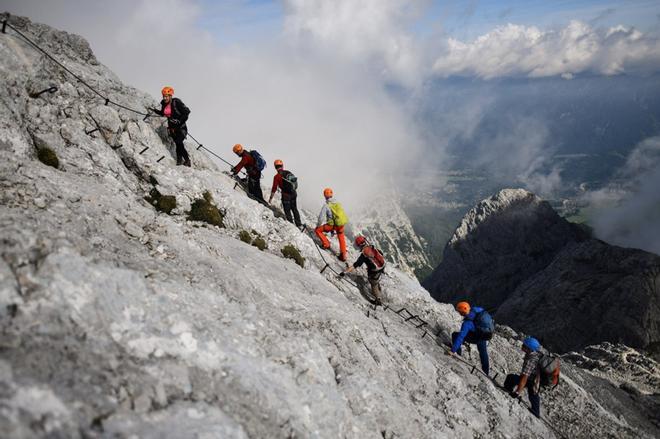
[143, 299]
[514, 254]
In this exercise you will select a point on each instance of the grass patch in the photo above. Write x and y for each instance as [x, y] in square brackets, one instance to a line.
[290, 252]
[162, 203]
[48, 157]
[260, 243]
[244, 236]
[204, 210]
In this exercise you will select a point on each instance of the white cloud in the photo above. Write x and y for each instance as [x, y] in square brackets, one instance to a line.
[515, 50]
[373, 33]
[628, 212]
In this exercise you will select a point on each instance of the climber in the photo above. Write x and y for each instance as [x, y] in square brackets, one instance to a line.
[177, 114]
[371, 256]
[470, 333]
[332, 219]
[253, 172]
[529, 377]
[288, 184]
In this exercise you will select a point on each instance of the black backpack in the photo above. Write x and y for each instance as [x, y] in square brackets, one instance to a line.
[289, 182]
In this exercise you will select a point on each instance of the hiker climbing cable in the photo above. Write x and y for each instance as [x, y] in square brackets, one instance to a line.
[477, 328]
[375, 262]
[288, 185]
[253, 164]
[332, 219]
[177, 114]
[529, 377]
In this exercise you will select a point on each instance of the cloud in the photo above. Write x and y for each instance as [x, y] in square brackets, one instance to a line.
[371, 33]
[628, 210]
[516, 50]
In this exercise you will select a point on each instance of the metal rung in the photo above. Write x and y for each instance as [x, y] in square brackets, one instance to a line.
[420, 325]
[146, 116]
[399, 311]
[89, 133]
[424, 335]
[107, 101]
[51, 89]
[200, 146]
[410, 318]
[161, 158]
[473, 369]
[117, 147]
[324, 268]
[145, 148]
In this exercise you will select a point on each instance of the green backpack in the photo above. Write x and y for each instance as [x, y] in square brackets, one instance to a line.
[339, 217]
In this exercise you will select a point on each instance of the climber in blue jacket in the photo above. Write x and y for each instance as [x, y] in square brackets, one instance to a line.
[470, 334]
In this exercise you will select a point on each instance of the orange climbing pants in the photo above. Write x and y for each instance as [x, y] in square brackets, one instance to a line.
[339, 230]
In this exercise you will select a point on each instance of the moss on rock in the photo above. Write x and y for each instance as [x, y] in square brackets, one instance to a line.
[162, 203]
[260, 243]
[204, 210]
[244, 236]
[48, 157]
[291, 252]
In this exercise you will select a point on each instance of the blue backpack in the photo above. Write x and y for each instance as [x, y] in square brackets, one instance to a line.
[485, 325]
[261, 163]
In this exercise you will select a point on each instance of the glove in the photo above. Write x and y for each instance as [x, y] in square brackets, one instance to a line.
[154, 109]
[513, 394]
[174, 122]
[342, 274]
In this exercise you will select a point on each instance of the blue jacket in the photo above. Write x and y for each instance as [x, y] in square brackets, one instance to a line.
[466, 327]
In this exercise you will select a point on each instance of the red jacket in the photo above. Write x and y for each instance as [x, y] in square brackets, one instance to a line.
[278, 182]
[249, 163]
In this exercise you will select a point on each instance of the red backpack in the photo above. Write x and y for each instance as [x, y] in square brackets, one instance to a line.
[374, 256]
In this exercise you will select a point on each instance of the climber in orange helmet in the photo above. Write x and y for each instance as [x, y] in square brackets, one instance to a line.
[177, 114]
[288, 185]
[332, 219]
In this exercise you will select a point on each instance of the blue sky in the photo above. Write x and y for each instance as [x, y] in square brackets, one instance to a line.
[243, 20]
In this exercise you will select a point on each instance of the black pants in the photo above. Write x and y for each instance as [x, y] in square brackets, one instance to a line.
[254, 186]
[481, 347]
[179, 135]
[511, 382]
[291, 205]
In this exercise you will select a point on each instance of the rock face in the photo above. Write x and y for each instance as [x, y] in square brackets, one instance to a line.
[117, 320]
[386, 225]
[512, 253]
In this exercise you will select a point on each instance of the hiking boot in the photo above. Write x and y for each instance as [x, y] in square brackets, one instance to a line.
[342, 257]
[187, 163]
[179, 161]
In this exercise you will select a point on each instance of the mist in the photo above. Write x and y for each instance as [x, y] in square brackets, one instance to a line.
[627, 211]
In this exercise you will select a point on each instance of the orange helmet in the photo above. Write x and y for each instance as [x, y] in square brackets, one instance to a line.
[238, 149]
[327, 193]
[279, 163]
[463, 308]
[167, 91]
